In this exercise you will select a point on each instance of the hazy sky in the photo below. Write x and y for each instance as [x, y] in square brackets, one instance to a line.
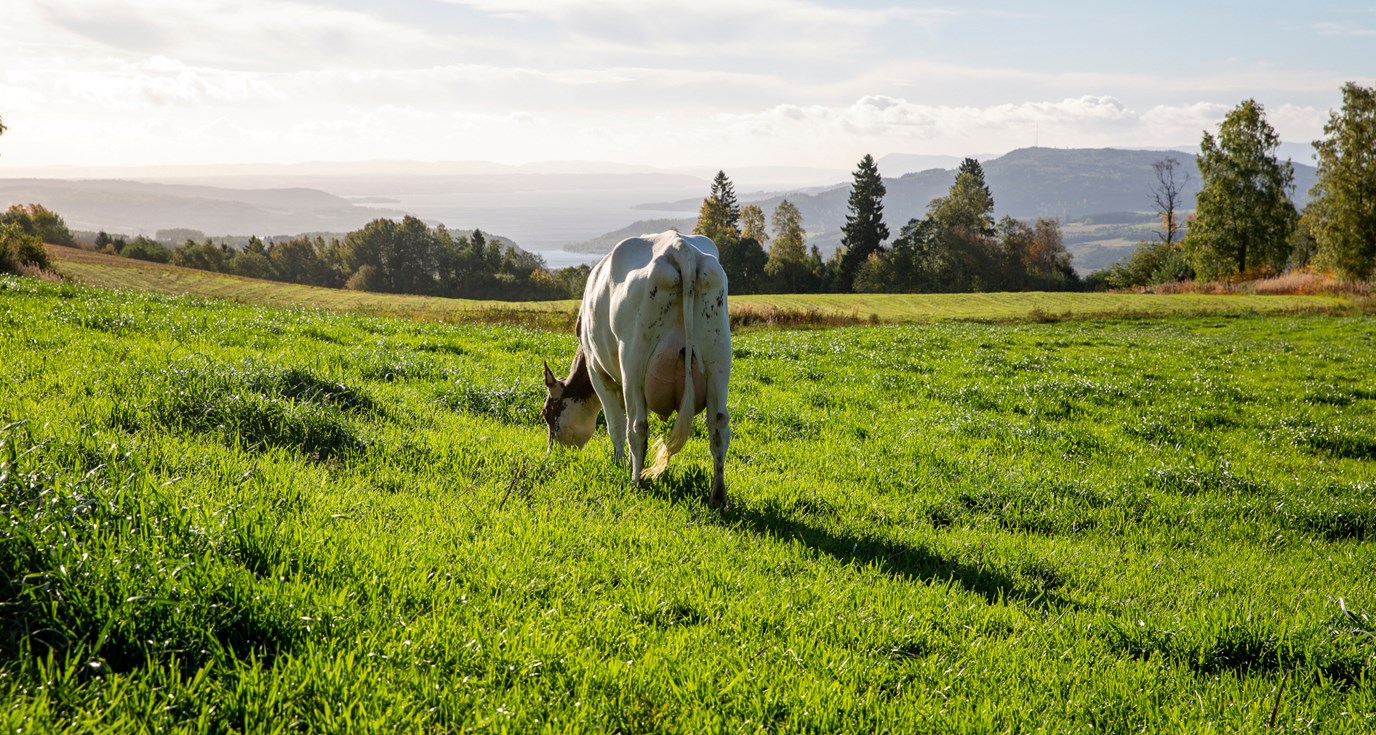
[715, 83]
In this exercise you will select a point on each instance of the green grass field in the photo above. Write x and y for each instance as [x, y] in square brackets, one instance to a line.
[217, 517]
[115, 272]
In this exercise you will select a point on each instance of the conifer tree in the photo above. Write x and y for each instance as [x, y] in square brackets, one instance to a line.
[723, 191]
[719, 214]
[864, 232]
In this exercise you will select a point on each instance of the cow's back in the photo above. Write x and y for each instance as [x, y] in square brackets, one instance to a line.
[634, 294]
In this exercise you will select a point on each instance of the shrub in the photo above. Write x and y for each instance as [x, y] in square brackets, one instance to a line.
[366, 278]
[37, 219]
[20, 250]
[144, 249]
[1151, 263]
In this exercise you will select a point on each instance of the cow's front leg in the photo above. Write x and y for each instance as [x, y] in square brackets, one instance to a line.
[614, 407]
[639, 437]
[638, 431]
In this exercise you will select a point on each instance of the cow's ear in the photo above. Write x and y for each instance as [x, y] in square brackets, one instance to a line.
[550, 380]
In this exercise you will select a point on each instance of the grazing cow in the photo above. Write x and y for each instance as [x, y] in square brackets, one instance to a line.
[653, 335]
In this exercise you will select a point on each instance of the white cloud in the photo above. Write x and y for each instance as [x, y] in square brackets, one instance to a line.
[880, 116]
[1343, 29]
[748, 81]
[708, 31]
[244, 34]
[161, 81]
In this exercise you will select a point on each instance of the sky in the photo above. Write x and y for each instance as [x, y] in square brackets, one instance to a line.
[715, 83]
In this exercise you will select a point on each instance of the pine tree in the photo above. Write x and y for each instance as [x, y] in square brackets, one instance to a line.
[1342, 215]
[723, 191]
[973, 167]
[719, 213]
[864, 232]
[1243, 214]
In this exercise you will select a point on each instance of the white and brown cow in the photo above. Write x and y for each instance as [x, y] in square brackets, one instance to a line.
[653, 335]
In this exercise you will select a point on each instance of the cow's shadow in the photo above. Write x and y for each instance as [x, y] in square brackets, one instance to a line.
[894, 558]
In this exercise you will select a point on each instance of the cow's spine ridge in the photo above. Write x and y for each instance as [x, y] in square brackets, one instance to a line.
[683, 421]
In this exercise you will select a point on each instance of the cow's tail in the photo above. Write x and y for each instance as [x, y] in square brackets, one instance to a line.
[682, 429]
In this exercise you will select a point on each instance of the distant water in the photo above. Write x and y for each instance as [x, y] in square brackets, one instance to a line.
[555, 259]
[541, 222]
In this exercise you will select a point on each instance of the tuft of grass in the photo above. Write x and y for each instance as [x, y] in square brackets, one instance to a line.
[516, 404]
[768, 315]
[255, 408]
[103, 571]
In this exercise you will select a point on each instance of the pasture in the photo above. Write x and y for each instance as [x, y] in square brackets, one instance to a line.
[111, 271]
[218, 517]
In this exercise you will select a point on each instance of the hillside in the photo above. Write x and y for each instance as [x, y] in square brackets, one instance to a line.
[1067, 184]
[132, 207]
[112, 271]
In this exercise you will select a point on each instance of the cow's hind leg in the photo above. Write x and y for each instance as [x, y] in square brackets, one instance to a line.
[719, 426]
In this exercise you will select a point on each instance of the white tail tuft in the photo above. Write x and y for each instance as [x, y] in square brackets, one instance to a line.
[661, 463]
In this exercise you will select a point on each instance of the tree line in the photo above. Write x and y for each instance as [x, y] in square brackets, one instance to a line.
[1245, 224]
[957, 246]
[385, 256]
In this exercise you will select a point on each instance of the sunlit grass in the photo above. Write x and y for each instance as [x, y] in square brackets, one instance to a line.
[796, 309]
[217, 517]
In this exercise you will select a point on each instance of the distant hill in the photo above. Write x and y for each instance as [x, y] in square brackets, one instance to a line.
[1073, 185]
[897, 164]
[604, 243]
[1030, 182]
[130, 207]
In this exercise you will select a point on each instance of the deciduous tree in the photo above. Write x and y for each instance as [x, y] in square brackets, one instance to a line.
[1342, 213]
[402, 255]
[787, 267]
[752, 224]
[20, 249]
[1166, 196]
[1244, 215]
[37, 219]
[958, 250]
[743, 259]
[1047, 262]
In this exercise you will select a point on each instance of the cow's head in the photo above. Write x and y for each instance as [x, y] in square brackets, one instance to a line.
[571, 408]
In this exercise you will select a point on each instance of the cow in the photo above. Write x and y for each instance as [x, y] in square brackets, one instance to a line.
[653, 335]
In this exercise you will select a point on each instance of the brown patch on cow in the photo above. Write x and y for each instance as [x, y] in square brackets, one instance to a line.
[576, 388]
[578, 385]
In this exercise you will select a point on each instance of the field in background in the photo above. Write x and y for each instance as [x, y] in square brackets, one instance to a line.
[115, 272]
[222, 517]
